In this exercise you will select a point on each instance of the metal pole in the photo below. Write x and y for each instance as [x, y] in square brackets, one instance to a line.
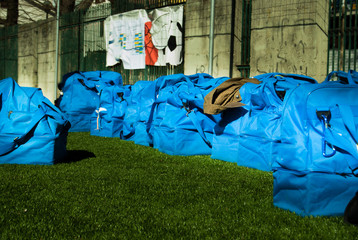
[211, 36]
[57, 41]
[232, 37]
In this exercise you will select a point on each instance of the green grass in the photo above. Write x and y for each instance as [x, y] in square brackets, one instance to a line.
[120, 190]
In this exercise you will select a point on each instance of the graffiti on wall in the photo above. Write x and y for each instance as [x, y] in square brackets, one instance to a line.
[290, 47]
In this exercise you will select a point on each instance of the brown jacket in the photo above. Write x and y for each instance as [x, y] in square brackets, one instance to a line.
[226, 95]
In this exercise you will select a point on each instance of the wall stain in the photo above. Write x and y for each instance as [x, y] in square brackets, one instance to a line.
[200, 69]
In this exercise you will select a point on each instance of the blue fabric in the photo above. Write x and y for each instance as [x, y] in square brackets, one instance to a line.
[248, 136]
[81, 95]
[132, 113]
[350, 77]
[225, 145]
[146, 99]
[313, 193]
[107, 119]
[177, 124]
[32, 129]
[315, 166]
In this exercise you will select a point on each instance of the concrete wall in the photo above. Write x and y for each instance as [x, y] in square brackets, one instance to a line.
[290, 37]
[46, 58]
[27, 55]
[197, 29]
[36, 56]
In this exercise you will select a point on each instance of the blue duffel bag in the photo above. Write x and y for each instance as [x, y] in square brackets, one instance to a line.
[225, 145]
[178, 125]
[316, 164]
[146, 98]
[32, 129]
[80, 95]
[132, 114]
[249, 136]
[107, 119]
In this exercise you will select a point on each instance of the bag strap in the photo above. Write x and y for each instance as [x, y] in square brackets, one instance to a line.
[84, 82]
[348, 120]
[340, 75]
[151, 117]
[18, 141]
[55, 113]
[191, 113]
[194, 118]
[296, 78]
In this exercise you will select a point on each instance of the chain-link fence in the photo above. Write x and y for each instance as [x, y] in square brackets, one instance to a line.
[82, 41]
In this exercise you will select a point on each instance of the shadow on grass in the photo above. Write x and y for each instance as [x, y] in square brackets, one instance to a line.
[76, 155]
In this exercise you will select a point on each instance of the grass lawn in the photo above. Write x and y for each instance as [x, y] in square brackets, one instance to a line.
[113, 189]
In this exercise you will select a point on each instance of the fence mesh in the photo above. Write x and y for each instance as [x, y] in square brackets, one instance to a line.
[343, 35]
[82, 41]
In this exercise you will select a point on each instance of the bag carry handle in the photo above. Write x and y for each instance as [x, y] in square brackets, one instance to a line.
[54, 113]
[324, 116]
[341, 74]
[293, 78]
[18, 141]
[347, 140]
[106, 81]
[86, 85]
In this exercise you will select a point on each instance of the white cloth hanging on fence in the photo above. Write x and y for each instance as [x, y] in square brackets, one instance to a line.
[124, 35]
[167, 34]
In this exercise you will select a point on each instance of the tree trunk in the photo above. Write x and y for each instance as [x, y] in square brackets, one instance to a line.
[67, 6]
[12, 12]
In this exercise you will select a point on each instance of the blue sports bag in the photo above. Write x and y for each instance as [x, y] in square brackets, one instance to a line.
[107, 119]
[249, 135]
[80, 95]
[316, 163]
[146, 98]
[132, 114]
[32, 129]
[178, 125]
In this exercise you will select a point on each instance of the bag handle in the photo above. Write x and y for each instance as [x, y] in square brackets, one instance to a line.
[55, 113]
[151, 117]
[18, 141]
[293, 78]
[85, 84]
[106, 81]
[284, 76]
[340, 74]
[324, 116]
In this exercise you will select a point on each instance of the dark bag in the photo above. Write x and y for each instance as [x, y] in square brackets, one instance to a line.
[351, 211]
